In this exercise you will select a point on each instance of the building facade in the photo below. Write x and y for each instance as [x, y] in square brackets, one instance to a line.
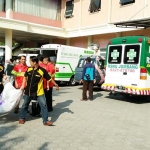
[80, 23]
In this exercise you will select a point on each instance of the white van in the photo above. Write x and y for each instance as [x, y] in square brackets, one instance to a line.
[98, 62]
[67, 58]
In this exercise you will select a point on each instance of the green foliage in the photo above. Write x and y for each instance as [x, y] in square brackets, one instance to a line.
[3, 44]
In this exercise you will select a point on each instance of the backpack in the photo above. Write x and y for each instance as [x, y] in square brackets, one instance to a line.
[36, 109]
[89, 73]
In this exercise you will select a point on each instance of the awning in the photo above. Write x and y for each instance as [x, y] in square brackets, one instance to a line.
[139, 23]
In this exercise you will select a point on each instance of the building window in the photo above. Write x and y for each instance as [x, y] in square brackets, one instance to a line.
[95, 6]
[49, 9]
[125, 2]
[69, 8]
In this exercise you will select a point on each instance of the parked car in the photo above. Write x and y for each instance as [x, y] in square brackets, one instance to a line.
[98, 61]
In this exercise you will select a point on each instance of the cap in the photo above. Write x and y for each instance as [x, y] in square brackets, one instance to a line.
[88, 59]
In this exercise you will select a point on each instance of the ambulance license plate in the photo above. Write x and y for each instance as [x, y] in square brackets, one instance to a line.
[120, 87]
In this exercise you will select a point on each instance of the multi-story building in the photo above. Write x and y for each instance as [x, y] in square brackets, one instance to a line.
[31, 23]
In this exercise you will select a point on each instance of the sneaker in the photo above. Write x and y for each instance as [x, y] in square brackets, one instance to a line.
[48, 123]
[21, 121]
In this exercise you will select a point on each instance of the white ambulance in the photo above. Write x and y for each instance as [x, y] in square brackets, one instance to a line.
[66, 58]
[128, 65]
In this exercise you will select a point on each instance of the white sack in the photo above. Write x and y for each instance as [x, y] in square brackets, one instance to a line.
[9, 98]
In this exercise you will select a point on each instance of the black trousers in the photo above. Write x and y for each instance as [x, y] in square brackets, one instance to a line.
[48, 95]
[1, 88]
[87, 85]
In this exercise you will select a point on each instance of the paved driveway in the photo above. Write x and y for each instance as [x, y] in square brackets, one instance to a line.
[107, 123]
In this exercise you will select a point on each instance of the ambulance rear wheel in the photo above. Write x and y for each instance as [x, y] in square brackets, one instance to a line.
[72, 81]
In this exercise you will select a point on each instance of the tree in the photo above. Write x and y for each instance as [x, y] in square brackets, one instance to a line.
[2, 44]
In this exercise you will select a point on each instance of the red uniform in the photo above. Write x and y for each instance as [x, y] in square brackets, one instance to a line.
[19, 71]
[51, 71]
[50, 68]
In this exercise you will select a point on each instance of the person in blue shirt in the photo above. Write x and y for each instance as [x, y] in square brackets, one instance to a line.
[88, 78]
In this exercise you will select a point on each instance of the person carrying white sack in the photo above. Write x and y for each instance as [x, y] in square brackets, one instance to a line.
[9, 69]
[9, 98]
[2, 76]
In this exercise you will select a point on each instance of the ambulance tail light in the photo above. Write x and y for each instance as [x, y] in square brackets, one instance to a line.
[57, 69]
[143, 74]
[140, 40]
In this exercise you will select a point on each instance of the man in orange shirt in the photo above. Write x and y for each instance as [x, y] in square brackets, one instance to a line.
[18, 72]
[48, 93]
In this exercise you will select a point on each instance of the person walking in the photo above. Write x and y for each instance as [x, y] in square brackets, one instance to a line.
[33, 79]
[9, 69]
[88, 78]
[2, 75]
[48, 93]
[18, 72]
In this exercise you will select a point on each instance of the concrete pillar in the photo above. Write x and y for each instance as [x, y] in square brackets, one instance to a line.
[1, 5]
[8, 8]
[89, 41]
[8, 44]
[118, 34]
[68, 42]
[109, 11]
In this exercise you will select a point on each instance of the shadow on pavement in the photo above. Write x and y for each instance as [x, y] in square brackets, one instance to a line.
[12, 117]
[8, 143]
[59, 109]
[130, 98]
[97, 95]
[44, 146]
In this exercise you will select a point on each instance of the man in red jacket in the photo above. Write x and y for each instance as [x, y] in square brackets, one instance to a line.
[48, 93]
[18, 72]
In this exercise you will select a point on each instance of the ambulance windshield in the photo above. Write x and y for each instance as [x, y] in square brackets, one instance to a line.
[49, 53]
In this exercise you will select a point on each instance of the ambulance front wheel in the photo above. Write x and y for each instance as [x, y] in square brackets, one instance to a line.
[72, 81]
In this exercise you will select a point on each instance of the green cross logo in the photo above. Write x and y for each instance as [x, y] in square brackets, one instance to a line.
[131, 54]
[114, 54]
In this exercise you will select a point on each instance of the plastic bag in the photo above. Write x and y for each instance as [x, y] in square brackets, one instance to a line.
[9, 98]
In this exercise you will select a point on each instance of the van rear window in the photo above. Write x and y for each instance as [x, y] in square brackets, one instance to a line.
[115, 53]
[131, 54]
[81, 63]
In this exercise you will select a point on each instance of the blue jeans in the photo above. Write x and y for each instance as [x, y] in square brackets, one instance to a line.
[42, 102]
